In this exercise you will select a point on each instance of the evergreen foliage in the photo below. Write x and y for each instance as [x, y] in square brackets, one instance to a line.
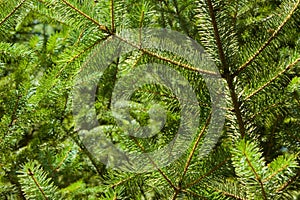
[256, 47]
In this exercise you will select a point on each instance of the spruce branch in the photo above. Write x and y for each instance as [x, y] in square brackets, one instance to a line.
[183, 65]
[46, 114]
[100, 26]
[187, 164]
[71, 60]
[275, 173]
[257, 177]
[293, 136]
[155, 55]
[171, 96]
[188, 191]
[208, 173]
[232, 195]
[41, 13]
[34, 182]
[266, 44]
[12, 12]
[176, 192]
[81, 53]
[100, 168]
[288, 67]
[228, 194]
[122, 181]
[142, 17]
[234, 18]
[154, 164]
[265, 109]
[289, 182]
[236, 105]
[62, 161]
[181, 21]
[31, 175]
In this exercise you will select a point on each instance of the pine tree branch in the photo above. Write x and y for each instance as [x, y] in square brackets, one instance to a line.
[265, 109]
[72, 60]
[289, 182]
[142, 191]
[40, 12]
[123, 181]
[293, 136]
[63, 114]
[234, 18]
[100, 168]
[12, 12]
[195, 147]
[176, 192]
[31, 175]
[208, 173]
[201, 104]
[275, 173]
[81, 53]
[163, 20]
[154, 164]
[185, 66]
[115, 197]
[101, 27]
[256, 176]
[155, 55]
[142, 17]
[273, 79]
[194, 194]
[62, 161]
[228, 194]
[273, 36]
[296, 97]
[13, 117]
[232, 195]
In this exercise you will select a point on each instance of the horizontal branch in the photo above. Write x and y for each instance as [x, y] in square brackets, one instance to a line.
[275, 33]
[263, 110]
[153, 54]
[123, 181]
[194, 194]
[228, 194]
